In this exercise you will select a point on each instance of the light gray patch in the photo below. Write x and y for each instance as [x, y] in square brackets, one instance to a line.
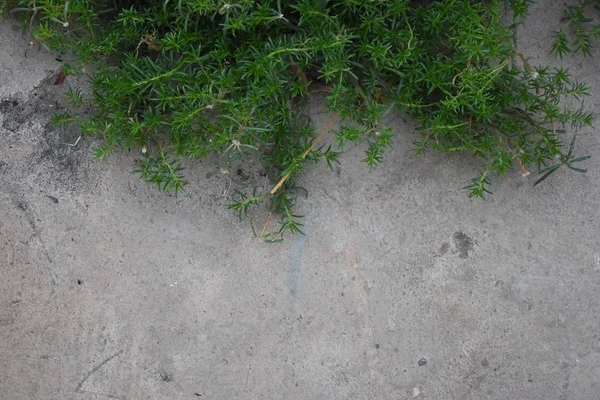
[295, 260]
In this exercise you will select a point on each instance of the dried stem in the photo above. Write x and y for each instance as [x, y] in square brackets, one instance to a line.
[266, 225]
[312, 146]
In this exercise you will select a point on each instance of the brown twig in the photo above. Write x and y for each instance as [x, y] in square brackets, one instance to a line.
[266, 225]
[312, 146]
[522, 167]
[524, 60]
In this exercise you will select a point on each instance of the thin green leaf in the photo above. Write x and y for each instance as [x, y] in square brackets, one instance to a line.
[583, 171]
[571, 147]
[580, 159]
[550, 170]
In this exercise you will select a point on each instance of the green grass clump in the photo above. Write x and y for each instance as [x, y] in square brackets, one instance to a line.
[229, 81]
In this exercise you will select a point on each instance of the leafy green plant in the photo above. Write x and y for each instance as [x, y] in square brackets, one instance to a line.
[230, 81]
[579, 32]
[565, 159]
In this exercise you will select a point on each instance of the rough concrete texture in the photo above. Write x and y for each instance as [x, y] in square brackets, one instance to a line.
[402, 286]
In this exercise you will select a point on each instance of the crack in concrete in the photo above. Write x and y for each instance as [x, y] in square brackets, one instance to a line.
[92, 372]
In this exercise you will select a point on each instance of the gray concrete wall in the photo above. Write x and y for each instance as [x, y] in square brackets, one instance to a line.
[402, 286]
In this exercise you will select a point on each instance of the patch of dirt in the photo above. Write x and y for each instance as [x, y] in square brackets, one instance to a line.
[51, 152]
[463, 244]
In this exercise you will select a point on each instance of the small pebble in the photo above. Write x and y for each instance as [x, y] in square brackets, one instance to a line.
[422, 362]
[416, 391]
[376, 345]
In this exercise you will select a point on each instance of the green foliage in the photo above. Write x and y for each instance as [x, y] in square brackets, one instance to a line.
[229, 81]
[565, 159]
[580, 24]
[164, 171]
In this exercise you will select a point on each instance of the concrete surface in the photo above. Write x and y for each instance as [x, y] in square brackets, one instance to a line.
[110, 289]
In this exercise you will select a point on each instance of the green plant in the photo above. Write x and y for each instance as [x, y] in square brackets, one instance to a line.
[579, 25]
[231, 80]
[565, 159]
